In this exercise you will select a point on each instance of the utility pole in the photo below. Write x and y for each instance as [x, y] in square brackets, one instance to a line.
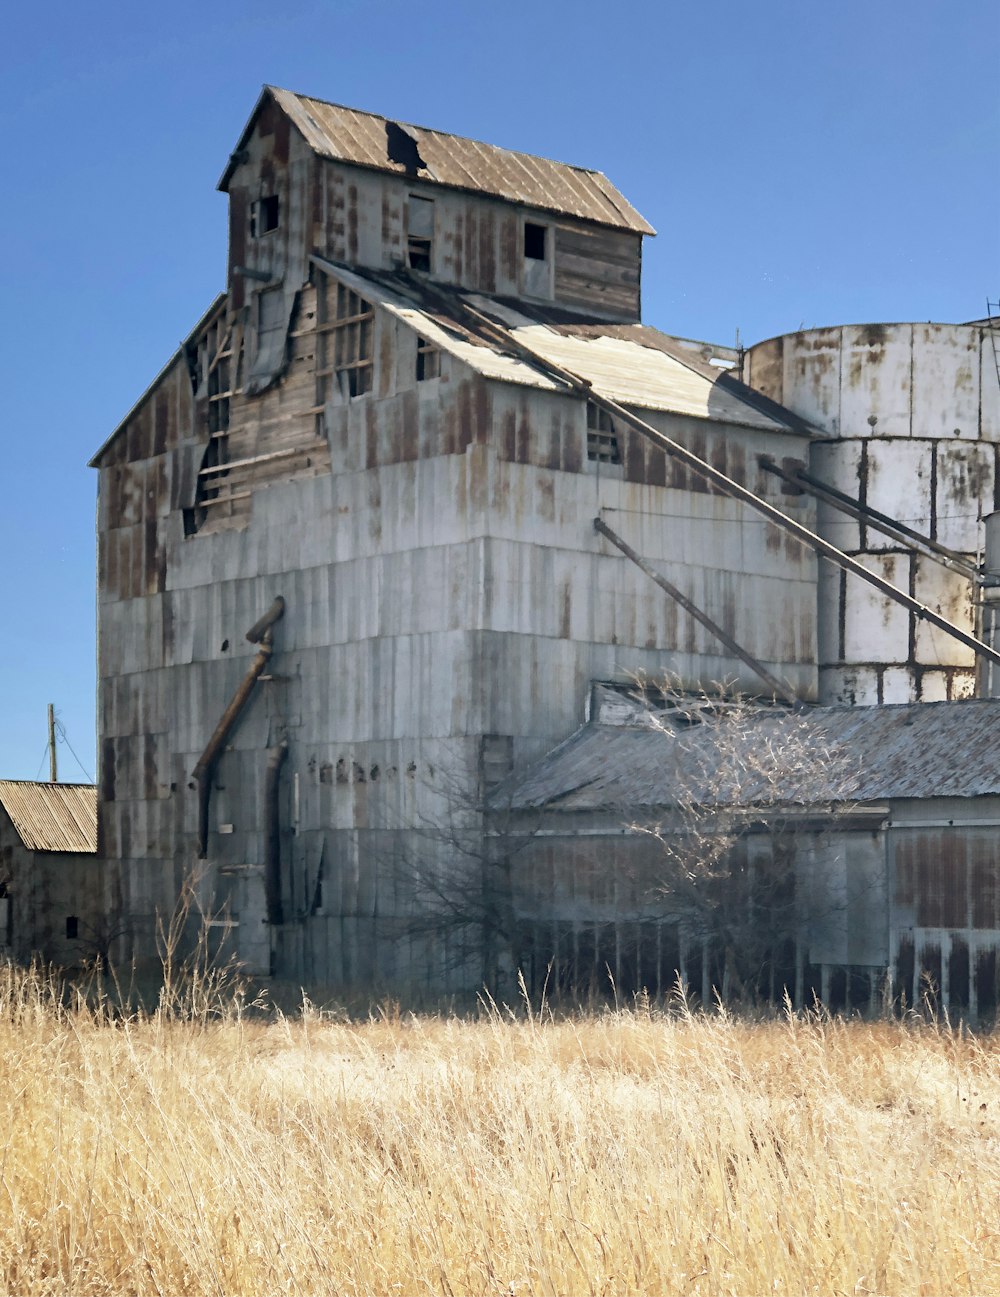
[53, 773]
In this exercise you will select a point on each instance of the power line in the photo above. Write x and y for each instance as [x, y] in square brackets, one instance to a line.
[62, 734]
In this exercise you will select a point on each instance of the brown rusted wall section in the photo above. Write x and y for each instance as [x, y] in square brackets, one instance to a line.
[949, 878]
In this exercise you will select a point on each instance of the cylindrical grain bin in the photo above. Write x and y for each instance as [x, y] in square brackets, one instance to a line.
[908, 423]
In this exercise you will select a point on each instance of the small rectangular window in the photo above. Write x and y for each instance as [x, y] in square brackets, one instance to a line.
[535, 241]
[419, 232]
[428, 361]
[72, 928]
[264, 215]
[602, 440]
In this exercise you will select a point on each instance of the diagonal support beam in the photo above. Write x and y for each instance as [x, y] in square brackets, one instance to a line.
[503, 338]
[864, 513]
[774, 685]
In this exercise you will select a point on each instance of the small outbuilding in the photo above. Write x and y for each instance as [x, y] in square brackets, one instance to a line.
[50, 878]
[862, 858]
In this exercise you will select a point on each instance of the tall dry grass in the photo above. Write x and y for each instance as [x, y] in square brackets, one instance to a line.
[608, 1153]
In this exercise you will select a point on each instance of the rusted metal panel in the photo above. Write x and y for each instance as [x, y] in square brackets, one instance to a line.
[897, 478]
[945, 386]
[52, 817]
[936, 587]
[965, 487]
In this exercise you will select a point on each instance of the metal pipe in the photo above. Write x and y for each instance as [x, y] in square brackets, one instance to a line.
[773, 683]
[502, 337]
[272, 858]
[274, 614]
[204, 771]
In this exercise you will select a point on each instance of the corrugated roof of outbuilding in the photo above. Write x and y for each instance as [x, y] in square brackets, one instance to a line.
[52, 817]
[358, 137]
[910, 751]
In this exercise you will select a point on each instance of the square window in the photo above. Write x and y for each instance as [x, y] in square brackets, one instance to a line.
[264, 215]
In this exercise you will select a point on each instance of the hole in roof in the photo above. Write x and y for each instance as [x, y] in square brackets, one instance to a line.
[401, 148]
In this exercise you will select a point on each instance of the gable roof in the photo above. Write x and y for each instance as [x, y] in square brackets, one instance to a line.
[904, 751]
[360, 138]
[52, 817]
[633, 364]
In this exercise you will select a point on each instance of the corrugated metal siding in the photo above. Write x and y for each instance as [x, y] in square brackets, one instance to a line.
[946, 749]
[52, 817]
[349, 135]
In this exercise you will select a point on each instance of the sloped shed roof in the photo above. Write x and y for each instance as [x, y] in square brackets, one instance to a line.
[52, 817]
[351, 135]
[637, 366]
[918, 750]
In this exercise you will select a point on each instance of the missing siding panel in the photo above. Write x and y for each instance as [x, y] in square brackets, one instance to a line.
[352, 331]
[602, 439]
[219, 376]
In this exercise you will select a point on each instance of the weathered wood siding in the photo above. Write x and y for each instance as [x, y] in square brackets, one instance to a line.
[44, 889]
[359, 217]
[597, 270]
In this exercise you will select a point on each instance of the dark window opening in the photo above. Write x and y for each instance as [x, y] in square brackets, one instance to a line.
[428, 361]
[418, 253]
[264, 215]
[419, 232]
[602, 440]
[535, 241]
[72, 928]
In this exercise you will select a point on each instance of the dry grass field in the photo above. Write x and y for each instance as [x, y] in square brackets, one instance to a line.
[629, 1152]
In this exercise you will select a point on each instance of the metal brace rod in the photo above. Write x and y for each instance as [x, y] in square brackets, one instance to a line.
[727, 486]
[890, 527]
[773, 683]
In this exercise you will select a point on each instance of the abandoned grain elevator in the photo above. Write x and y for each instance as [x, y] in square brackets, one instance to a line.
[394, 505]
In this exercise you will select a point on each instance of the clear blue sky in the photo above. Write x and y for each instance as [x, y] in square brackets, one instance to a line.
[804, 164]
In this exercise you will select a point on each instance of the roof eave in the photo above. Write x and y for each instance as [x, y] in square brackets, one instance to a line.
[233, 163]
